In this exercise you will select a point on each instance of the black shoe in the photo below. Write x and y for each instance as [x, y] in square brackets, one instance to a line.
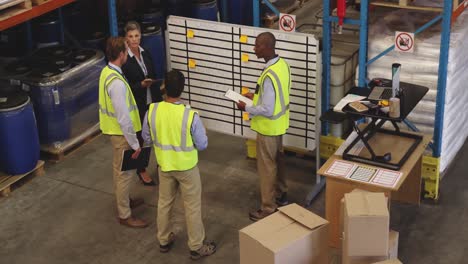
[151, 183]
[168, 246]
[260, 214]
[207, 249]
[282, 200]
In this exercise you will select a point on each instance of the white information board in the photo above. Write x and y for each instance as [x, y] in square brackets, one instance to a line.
[216, 57]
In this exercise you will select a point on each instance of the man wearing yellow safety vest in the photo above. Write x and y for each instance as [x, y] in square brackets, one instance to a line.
[119, 118]
[177, 133]
[270, 119]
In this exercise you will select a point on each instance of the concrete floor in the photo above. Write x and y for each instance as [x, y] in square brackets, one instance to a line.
[68, 215]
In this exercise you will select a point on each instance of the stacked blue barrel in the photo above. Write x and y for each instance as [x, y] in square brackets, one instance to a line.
[205, 9]
[62, 83]
[18, 133]
[153, 41]
[47, 30]
[13, 41]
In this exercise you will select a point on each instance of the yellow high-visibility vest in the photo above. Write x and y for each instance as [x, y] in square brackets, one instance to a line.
[278, 123]
[170, 125]
[107, 117]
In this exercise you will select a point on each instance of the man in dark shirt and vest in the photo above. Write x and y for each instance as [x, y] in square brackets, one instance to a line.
[119, 118]
[177, 134]
[270, 119]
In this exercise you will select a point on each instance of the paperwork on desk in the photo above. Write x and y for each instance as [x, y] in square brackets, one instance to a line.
[346, 100]
[362, 173]
[236, 97]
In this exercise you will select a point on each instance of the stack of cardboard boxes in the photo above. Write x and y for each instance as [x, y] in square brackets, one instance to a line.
[366, 235]
[296, 235]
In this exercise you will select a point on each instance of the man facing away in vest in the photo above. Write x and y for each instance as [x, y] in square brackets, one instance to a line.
[119, 118]
[270, 119]
[177, 133]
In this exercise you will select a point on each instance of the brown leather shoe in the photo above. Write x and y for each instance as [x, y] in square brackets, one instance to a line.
[259, 214]
[133, 222]
[134, 203]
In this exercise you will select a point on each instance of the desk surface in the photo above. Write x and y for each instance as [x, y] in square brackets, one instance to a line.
[393, 144]
[410, 96]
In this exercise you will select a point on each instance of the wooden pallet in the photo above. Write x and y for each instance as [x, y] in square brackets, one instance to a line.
[8, 181]
[14, 8]
[57, 155]
[39, 2]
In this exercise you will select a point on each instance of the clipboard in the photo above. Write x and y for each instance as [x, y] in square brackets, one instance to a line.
[131, 164]
[236, 97]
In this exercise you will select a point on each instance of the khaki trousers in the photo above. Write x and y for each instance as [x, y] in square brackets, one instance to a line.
[190, 187]
[122, 179]
[271, 170]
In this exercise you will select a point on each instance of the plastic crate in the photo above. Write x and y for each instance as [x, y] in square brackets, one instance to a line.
[251, 148]
[431, 176]
[329, 145]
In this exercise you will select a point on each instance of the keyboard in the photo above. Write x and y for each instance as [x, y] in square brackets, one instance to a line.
[380, 93]
[387, 94]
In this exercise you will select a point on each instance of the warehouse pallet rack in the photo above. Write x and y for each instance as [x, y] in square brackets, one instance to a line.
[449, 12]
[10, 18]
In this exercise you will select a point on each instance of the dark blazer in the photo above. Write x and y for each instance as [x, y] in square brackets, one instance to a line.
[135, 75]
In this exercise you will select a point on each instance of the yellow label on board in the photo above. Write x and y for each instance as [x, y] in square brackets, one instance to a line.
[245, 57]
[190, 33]
[243, 39]
[192, 63]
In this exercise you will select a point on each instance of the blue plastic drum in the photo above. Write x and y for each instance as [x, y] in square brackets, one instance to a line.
[18, 134]
[76, 21]
[154, 16]
[47, 31]
[179, 7]
[152, 42]
[240, 12]
[95, 40]
[52, 107]
[205, 9]
[13, 41]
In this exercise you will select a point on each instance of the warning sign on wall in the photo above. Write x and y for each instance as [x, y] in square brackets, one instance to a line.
[404, 41]
[287, 22]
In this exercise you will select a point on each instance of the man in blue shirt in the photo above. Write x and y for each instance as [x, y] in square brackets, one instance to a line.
[177, 135]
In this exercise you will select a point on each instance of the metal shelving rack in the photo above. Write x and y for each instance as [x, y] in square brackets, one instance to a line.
[36, 11]
[446, 18]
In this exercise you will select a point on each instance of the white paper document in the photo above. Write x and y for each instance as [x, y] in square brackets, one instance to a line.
[346, 100]
[236, 97]
[362, 173]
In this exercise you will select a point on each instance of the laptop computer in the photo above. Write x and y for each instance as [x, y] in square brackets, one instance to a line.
[380, 93]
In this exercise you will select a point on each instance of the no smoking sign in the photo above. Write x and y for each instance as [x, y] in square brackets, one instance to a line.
[404, 41]
[287, 22]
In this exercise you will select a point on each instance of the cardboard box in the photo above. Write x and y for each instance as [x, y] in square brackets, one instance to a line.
[390, 261]
[366, 224]
[392, 252]
[362, 260]
[292, 235]
[342, 212]
[393, 244]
